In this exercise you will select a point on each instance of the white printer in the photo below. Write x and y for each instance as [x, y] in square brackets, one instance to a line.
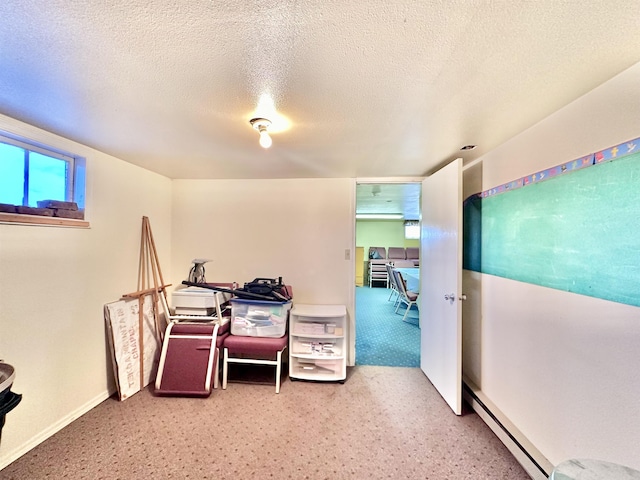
[197, 300]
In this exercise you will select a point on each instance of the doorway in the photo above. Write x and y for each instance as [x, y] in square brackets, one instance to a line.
[386, 215]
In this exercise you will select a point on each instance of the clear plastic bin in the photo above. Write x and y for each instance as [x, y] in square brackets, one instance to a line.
[257, 318]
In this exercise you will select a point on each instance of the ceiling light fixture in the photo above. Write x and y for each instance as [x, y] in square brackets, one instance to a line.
[261, 125]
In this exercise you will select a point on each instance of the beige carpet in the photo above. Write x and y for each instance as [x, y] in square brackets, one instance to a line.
[383, 422]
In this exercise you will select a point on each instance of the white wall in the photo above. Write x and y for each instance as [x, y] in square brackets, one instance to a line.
[54, 282]
[382, 233]
[562, 367]
[298, 229]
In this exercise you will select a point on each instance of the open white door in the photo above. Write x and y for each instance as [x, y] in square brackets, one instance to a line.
[441, 282]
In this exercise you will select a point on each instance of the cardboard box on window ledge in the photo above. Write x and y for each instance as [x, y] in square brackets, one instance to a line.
[8, 208]
[48, 208]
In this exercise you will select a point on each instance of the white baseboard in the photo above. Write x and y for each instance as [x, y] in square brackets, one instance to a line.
[534, 463]
[53, 429]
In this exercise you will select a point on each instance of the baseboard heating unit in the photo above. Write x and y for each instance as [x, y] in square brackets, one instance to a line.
[534, 463]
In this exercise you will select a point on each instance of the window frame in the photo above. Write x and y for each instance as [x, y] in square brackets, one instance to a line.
[75, 187]
[411, 223]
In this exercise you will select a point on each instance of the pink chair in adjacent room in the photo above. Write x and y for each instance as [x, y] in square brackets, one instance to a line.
[406, 297]
[396, 253]
[392, 283]
[403, 264]
[413, 254]
[377, 271]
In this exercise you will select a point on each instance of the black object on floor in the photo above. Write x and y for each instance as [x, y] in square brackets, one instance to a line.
[8, 401]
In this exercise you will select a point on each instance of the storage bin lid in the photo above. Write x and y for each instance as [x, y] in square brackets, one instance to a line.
[259, 302]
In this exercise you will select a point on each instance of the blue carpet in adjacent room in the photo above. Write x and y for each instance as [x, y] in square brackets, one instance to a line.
[382, 338]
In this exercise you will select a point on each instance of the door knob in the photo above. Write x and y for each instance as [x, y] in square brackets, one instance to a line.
[451, 297]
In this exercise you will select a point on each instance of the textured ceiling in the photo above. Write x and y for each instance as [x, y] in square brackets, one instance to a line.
[389, 198]
[380, 88]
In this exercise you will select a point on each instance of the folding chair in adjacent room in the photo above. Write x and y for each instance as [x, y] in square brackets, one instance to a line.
[407, 297]
[392, 283]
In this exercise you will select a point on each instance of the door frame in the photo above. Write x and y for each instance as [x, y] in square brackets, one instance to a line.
[351, 358]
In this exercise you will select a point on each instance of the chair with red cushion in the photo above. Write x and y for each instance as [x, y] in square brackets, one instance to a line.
[255, 351]
[407, 297]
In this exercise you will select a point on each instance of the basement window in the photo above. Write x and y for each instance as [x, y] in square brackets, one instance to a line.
[411, 229]
[40, 184]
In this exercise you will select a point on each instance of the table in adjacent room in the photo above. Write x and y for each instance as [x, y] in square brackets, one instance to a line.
[411, 277]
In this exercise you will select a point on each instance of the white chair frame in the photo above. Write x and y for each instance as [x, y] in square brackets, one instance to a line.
[393, 286]
[216, 317]
[253, 361]
[403, 296]
[214, 354]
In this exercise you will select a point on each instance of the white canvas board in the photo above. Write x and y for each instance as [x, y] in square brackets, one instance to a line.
[123, 323]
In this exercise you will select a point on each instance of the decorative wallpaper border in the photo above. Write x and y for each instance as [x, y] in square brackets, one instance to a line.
[618, 151]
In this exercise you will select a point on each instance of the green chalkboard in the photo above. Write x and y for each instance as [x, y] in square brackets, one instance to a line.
[578, 232]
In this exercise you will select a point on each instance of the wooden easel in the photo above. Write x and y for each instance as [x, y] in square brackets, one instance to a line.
[149, 273]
